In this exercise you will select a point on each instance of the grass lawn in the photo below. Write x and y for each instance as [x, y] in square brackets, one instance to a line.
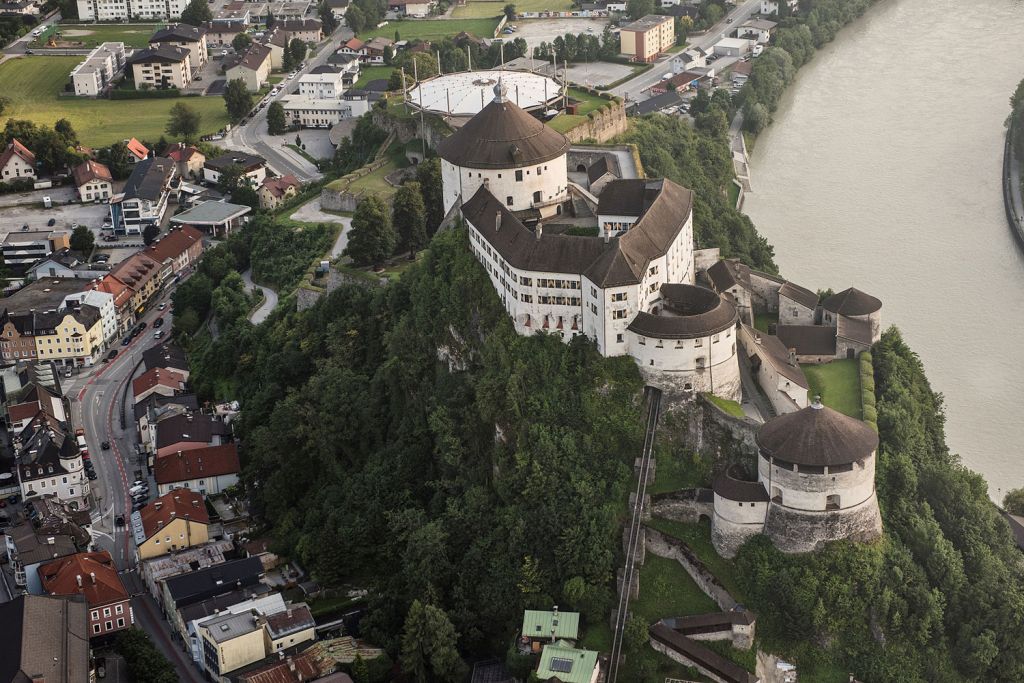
[762, 320]
[132, 35]
[33, 85]
[587, 103]
[674, 471]
[373, 73]
[698, 537]
[838, 383]
[475, 9]
[433, 29]
[734, 194]
[563, 123]
[731, 407]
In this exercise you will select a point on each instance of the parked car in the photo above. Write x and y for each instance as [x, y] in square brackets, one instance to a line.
[138, 482]
[119, 520]
[91, 475]
[112, 355]
[159, 322]
[142, 326]
[105, 446]
[161, 306]
[159, 334]
[138, 505]
[52, 222]
[126, 341]
[14, 498]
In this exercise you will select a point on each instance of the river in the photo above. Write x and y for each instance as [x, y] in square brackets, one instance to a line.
[882, 171]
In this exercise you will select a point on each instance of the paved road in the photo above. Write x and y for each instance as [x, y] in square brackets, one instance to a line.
[269, 299]
[636, 88]
[148, 617]
[253, 136]
[96, 407]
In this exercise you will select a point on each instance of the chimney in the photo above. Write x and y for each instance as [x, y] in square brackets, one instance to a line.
[539, 231]
[157, 504]
[291, 664]
[607, 235]
[78, 579]
[792, 357]
[92, 575]
[497, 221]
[173, 513]
[289, 612]
[50, 540]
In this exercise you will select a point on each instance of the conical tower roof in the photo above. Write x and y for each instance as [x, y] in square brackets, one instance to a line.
[817, 435]
[502, 135]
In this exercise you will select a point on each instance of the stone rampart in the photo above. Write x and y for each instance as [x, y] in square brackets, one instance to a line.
[663, 545]
[602, 124]
[801, 531]
[687, 505]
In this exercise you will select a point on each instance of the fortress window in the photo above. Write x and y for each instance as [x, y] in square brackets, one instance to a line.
[643, 342]
[714, 340]
[698, 342]
[537, 197]
[519, 176]
[618, 338]
[538, 170]
[499, 175]
[508, 200]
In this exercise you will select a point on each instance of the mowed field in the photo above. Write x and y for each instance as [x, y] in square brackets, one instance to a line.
[433, 29]
[34, 84]
[475, 9]
[132, 35]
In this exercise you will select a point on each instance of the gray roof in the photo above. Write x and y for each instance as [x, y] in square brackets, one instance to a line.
[657, 103]
[243, 159]
[800, 295]
[46, 293]
[646, 23]
[179, 32]
[156, 401]
[728, 273]
[165, 356]
[733, 488]
[192, 428]
[808, 340]
[148, 178]
[689, 312]
[598, 169]
[162, 52]
[854, 330]
[817, 436]
[211, 213]
[194, 586]
[852, 301]
[778, 355]
[628, 197]
[44, 637]
[230, 626]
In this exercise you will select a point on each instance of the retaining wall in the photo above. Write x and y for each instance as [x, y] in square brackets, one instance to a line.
[674, 549]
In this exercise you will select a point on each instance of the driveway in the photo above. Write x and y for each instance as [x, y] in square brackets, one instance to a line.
[36, 217]
[269, 299]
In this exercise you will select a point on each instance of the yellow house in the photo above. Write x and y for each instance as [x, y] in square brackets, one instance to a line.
[142, 275]
[644, 39]
[291, 627]
[71, 336]
[231, 641]
[172, 522]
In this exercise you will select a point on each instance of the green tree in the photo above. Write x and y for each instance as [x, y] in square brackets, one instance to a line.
[355, 19]
[5, 104]
[327, 18]
[510, 12]
[184, 122]
[241, 42]
[276, 122]
[82, 240]
[409, 216]
[428, 175]
[186, 322]
[360, 672]
[639, 8]
[755, 117]
[118, 159]
[371, 239]
[146, 663]
[150, 233]
[66, 131]
[428, 645]
[634, 635]
[196, 13]
[1013, 501]
[297, 48]
[229, 301]
[237, 99]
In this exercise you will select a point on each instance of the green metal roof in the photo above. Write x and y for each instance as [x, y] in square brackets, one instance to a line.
[567, 664]
[538, 624]
[211, 213]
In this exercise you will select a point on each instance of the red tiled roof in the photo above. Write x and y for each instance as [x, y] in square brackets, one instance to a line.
[100, 583]
[180, 503]
[307, 668]
[137, 148]
[23, 411]
[174, 244]
[21, 150]
[197, 463]
[158, 377]
[278, 186]
[91, 170]
[136, 270]
[354, 44]
[111, 285]
[179, 151]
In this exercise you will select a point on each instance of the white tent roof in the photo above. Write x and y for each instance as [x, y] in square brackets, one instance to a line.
[466, 93]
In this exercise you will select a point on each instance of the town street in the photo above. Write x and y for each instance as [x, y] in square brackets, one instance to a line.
[252, 136]
[637, 88]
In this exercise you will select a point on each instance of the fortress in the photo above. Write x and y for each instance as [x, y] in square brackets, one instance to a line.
[575, 242]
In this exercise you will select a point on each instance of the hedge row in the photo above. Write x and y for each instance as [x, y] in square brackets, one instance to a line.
[156, 94]
[867, 390]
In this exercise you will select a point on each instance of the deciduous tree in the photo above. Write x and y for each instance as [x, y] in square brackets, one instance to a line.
[276, 122]
[196, 13]
[241, 42]
[184, 122]
[639, 8]
[428, 175]
[237, 99]
[82, 240]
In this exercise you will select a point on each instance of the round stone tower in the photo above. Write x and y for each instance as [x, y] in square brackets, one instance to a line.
[818, 468]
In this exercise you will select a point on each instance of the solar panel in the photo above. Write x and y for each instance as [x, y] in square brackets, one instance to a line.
[561, 665]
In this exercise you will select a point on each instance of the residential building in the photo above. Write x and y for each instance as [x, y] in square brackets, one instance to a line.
[298, 668]
[124, 10]
[172, 522]
[16, 161]
[181, 247]
[157, 381]
[194, 586]
[375, 48]
[320, 113]
[209, 470]
[325, 82]
[166, 355]
[258, 599]
[103, 302]
[137, 150]
[28, 548]
[758, 30]
[254, 167]
[49, 463]
[64, 264]
[188, 432]
[122, 296]
[71, 336]
[93, 181]
[190, 38]
[646, 38]
[776, 369]
[94, 577]
[411, 8]
[355, 47]
[217, 218]
[163, 66]
[91, 76]
[276, 41]
[16, 7]
[338, 7]
[275, 191]
[220, 32]
[38, 399]
[688, 59]
[772, 6]
[23, 248]
[561, 662]
[45, 639]
[231, 641]
[154, 408]
[144, 198]
[286, 629]
[157, 570]
[306, 30]
[546, 626]
[142, 275]
[188, 160]
[252, 67]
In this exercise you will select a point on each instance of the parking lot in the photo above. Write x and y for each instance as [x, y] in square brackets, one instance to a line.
[64, 216]
[597, 73]
[537, 31]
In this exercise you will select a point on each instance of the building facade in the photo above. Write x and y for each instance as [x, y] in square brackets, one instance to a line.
[163, 66]
[91, 76]
[646, 38]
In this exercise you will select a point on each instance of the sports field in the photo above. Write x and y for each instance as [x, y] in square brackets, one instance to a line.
[132, 35]
[433, 29]
[33, 84]
[474, 9]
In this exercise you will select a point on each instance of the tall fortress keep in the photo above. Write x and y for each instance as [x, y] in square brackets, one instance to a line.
[576, 242]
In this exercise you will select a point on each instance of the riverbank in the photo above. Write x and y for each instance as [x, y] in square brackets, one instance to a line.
[1012, 189]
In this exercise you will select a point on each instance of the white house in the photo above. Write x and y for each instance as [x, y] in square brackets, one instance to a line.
[689, 59]
[758, 30]
[207, 470]
[122, 10]
[191, 38]
[732, 47]
[629, 288]
[104, 301]
[144, 199]
[309, 112]
[254, 167]
[772, 6]
[91, 76]
[322, 83]
[410, 8]
[93, 181]
[17, 162]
